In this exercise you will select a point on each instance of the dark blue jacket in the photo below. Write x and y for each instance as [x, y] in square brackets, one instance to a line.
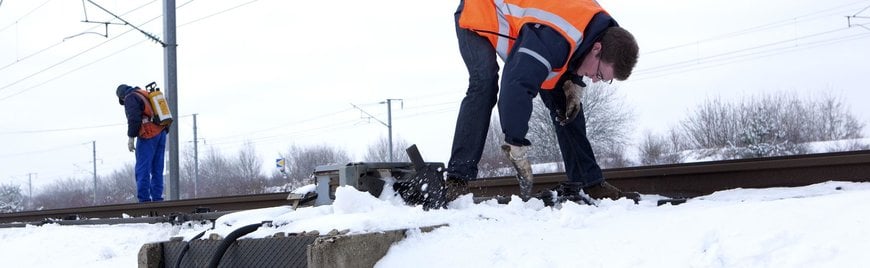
[527, 73]
[134, 107]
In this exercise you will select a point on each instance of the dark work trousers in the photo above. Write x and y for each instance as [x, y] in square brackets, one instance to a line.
[580, 164]
[149, 167]
[476, 108]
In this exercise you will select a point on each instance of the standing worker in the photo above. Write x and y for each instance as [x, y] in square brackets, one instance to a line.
[548, 47]
[150, 145]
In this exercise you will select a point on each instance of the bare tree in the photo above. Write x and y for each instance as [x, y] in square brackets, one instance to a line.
[768, 125]
[608, 125]
[119, 187]
[11, 199]
[712, 125]
[832, 120]
[614, 157]
[66, 193]
[380, 150]
[302, 161]
[608, 121]
[214, 175]
[247, 167]
[658, 150]
[542, 134]
[493, 161]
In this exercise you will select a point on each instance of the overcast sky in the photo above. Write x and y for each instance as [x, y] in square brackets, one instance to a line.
[277, 73]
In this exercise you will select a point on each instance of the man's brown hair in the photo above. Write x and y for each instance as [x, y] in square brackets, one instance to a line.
[619, 47]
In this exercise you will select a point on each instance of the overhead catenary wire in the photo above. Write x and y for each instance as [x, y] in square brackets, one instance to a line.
[24, 16]
[754, 56]
[37, 131]
[41, 151]
[56, 129]
[742, 56]
[21, 59]
[75, 56]
[786, 22]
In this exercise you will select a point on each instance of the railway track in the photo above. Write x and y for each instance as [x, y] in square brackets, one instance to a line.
[677, 180]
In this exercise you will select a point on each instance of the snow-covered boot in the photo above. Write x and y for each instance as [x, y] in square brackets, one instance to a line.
[605, 190]
[566, 191]
[455, 188]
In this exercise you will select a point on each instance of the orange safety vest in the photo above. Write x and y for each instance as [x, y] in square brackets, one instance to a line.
[501, 20]
[148, 129]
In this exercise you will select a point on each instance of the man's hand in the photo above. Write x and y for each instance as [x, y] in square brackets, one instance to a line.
[573, 92]
[131, 144]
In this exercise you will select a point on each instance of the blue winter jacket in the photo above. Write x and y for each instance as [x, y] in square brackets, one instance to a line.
[134, 107]
[526, 73]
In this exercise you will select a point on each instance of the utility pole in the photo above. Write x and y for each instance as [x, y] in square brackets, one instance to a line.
[195, 157]
[94, 144]
[30, 188]
[170, 72]
[390, 124]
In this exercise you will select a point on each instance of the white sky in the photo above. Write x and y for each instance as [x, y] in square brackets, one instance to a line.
[811, 226]
[278, 73]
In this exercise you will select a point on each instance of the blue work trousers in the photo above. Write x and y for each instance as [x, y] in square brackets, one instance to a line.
[149, 168]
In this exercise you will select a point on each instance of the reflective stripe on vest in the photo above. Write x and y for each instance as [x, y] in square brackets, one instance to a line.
[148, 129]
[501, 20]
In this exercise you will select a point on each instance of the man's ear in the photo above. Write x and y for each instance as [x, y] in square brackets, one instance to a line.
[596, 49]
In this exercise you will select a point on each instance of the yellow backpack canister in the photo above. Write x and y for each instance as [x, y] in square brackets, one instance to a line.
[162, 116]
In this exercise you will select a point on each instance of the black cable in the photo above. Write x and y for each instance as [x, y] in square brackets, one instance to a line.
[229, 240]
[187, 247]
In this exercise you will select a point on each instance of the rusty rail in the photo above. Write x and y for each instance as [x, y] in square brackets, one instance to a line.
[702, 178]
[677, 180]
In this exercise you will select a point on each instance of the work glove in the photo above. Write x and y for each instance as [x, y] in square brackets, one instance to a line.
[517, 156]
[573, 92]
[131, 144]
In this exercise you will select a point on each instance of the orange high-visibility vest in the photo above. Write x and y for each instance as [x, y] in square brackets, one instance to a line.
[148, 129]
[501, 20]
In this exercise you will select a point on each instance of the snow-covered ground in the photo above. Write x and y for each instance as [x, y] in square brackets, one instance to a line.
[822, 225]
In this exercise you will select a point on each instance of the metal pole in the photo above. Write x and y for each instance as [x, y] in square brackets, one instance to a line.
[94, 143]
[390, 126]
[171, 78]
[30, 190]
[195, 157]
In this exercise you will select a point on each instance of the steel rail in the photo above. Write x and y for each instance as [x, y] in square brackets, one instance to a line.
[676, 180]
[151, 209]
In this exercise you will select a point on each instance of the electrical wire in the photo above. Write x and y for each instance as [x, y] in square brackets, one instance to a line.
[217, 13]
[755, 55]
[76, 55]
[772, 25]
[24, 16]
[40, 151]
[726, 55]
[19, 60]
[287, 124]
[75, 69]
[56, 129]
